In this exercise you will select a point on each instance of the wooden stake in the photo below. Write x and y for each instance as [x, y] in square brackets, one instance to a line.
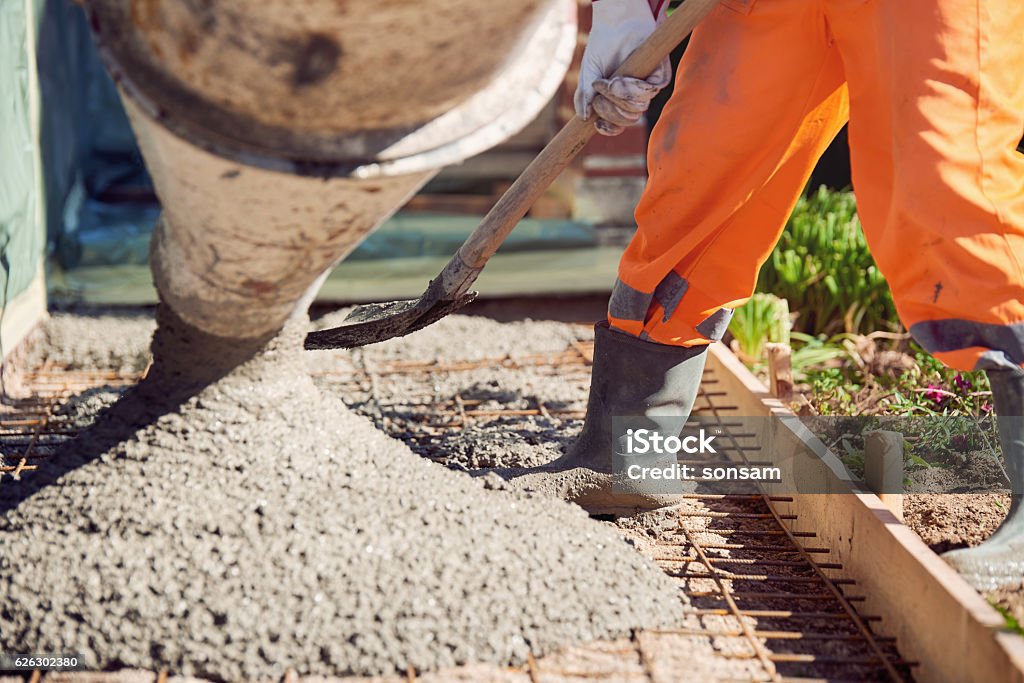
[780, 370]
[883, 468]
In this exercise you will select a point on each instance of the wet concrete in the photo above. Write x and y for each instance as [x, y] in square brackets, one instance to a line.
[526, 441]
[232, 522]
[108, 340]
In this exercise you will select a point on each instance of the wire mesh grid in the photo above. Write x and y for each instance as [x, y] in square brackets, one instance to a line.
[764, 601]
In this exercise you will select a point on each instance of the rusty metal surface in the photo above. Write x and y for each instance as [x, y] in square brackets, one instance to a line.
[766, 602]
[322, 86]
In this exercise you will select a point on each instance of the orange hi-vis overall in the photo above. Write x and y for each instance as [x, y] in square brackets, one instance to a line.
[934, 94]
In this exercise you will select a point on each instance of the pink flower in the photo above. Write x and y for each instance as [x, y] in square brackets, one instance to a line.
[935, 394]
[986, 407]
[962, 383]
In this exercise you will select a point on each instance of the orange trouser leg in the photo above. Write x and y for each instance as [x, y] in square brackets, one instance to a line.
[758, 98]
[937, 110]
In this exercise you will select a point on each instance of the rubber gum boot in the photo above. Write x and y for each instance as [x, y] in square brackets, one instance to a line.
[999, 561]
[657, 385]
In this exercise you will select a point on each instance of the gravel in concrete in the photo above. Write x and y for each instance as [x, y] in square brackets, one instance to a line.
[108, 340]
[525, 442]
[255, 525]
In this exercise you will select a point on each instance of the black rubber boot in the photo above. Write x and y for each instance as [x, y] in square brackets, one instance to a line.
[999, 561]
[655, 383]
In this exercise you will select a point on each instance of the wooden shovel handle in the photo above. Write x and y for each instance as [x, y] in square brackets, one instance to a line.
[558, 153]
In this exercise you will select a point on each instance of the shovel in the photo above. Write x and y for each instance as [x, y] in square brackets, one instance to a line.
[449, 291]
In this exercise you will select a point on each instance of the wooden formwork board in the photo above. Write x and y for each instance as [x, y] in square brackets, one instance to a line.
[936, 617]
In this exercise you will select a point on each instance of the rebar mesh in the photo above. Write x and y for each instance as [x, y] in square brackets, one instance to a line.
[765, 602]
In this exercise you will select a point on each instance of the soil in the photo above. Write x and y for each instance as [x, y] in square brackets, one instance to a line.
[947, 521]
[1009, 601]
[975, 473]
[227, 519]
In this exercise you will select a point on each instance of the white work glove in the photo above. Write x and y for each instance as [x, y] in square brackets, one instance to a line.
[619, 26]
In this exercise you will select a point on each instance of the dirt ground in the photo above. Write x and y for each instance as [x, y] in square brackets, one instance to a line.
[947, 521]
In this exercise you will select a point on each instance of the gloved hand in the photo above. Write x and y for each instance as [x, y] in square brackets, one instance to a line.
[619, 26]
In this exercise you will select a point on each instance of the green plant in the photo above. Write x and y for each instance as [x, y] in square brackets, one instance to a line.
[765, 318]
[1012, 623]
[852, 457]
[944, 414]
[834, 390]
[810, 352]
[925, 387]
[822, 266]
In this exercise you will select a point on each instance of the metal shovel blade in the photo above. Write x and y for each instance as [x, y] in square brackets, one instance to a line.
[373, 323]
